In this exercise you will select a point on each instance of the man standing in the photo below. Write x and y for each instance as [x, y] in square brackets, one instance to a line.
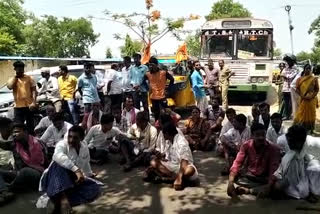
[158, 80]
[25, 96]
[50, 89]
[87, 86]
[212, 80]
[140, 90]
[67, 87]
[198, 88]
[114, 86]
[127, 87]
[224, 79]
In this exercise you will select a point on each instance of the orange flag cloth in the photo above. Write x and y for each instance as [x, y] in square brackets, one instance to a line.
[146, 54]
[182, 53]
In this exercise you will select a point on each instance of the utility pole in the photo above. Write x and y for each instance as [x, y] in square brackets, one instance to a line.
[288, 9]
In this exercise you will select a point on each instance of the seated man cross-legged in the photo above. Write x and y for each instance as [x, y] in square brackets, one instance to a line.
[254, 165]
[176, 163]
[67, 181]
[102, 139]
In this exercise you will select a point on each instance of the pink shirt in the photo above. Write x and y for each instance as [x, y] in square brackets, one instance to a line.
[264, 164]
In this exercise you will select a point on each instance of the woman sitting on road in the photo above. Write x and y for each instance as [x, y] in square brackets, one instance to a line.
[197, 132]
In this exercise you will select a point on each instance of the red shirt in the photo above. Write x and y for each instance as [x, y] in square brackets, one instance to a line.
[263, 164]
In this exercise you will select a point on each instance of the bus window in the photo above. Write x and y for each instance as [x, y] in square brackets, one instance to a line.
[250, 46]
[218, 46]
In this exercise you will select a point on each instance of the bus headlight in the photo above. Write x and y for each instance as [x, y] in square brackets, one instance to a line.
[253, 79]
[260, 80]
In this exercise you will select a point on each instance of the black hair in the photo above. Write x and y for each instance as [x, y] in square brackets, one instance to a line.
[153, 60]
[77, 129]
[18, 64]
[64, 68]
[263, 105]
[114, 66]
[142, 116]
[230, 111]
[127, 58]
[241, 118]
[165, 118]
[194, 62]
[20, 126]
[195, 108]
[282, 64]
[306, 66]
[170, 129]
[5, 122]
[58, 116]
[297, 132]
[106, 119]
[276, 116]
[88, 65]
[257, 127]
[116, 107]
[135, 55]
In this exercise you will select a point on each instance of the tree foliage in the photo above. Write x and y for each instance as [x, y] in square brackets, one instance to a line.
[149, 26]
[130, 47]
[193, 44]
[227, 9]
[59, 38]
[277, 52]
[12, 19]
[108, 53]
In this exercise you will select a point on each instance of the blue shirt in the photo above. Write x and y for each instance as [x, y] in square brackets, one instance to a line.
[137, 75]
[197, 84]
[89, 88]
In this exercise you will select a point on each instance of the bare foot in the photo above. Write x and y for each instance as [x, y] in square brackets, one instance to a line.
[177, 185]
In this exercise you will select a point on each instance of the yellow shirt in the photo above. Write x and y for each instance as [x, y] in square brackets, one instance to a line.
[22, 91]
[67, 86]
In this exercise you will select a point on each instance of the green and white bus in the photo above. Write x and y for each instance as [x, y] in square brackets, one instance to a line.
[246, 46]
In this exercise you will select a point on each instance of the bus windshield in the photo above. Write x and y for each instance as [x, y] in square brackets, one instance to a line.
[217, 46]
[250, 46]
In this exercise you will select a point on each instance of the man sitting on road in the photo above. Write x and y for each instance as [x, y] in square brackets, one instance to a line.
[264, 118]
[176, 163]
[46, 121]
[233, 139]
[93, 118]
[276, 129]
[56, 132]
[101, 140]
[119, 121]
[67, 180]
[143, 138]
[298, 175]
[129, 111]
[259, 159]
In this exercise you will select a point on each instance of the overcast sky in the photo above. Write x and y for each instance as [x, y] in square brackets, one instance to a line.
[303, 13]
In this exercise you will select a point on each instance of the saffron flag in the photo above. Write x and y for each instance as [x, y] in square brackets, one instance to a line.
[146, 54]
[182, 53]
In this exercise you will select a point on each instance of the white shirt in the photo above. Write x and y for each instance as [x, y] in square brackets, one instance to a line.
[68, 158]
[100, 79]
[6, 157]
[126, 82]
[234, 136]
[312, 145]
[293, 84]
[262, 122]
[44, 123]
[144, 140]
[116, 85]
[272, 135]
[53, 87]
[128, 115]
[179, 150]
[52, 135]
[96, 138]
[226, 127]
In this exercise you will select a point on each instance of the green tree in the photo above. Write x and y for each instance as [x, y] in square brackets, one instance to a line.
[227, 9]
[149, 26]
[59, 38]
[193, 44]
[108, 53]
[12, 20]
[130, 47]
[277, 52]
